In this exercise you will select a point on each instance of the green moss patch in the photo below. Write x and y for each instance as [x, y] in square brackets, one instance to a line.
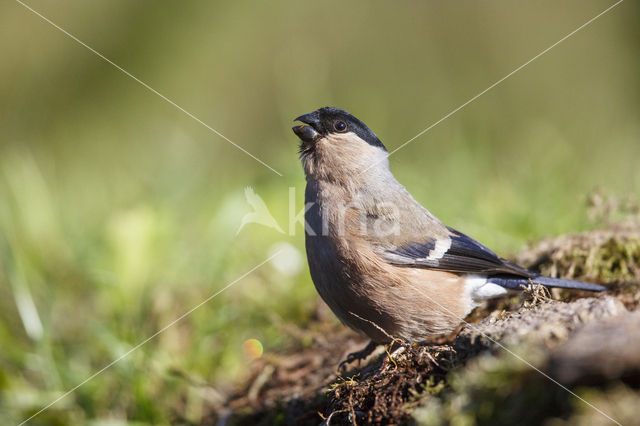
[499, 369]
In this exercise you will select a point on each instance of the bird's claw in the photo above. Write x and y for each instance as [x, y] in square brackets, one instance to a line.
[358, 355]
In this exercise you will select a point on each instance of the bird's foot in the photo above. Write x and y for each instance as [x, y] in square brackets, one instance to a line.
[359, 355]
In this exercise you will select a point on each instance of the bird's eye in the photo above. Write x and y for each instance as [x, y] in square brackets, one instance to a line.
[340, 126]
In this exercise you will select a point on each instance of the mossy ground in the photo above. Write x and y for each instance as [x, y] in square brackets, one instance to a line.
[497, 370]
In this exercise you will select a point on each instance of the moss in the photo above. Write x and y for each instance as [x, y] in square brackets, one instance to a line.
[495, 389]
[472, 380]
[610, 256]
[617, 401]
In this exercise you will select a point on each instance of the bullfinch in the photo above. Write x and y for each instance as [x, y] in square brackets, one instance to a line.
[383, 263]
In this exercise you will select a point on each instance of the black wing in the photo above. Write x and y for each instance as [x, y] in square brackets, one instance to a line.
[455, 253]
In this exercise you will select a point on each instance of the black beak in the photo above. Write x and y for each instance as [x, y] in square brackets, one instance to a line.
[307, 132]
[310, 119]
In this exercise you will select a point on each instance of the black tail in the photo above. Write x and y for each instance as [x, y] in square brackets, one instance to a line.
[515, 283]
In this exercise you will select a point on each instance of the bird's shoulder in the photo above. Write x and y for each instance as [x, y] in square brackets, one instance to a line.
[454, 252]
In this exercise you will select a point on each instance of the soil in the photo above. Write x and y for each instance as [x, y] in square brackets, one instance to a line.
[565, 357]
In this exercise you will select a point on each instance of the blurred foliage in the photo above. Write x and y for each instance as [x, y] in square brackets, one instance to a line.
[118, 212]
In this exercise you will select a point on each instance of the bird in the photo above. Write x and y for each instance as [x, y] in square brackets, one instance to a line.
[385, 265]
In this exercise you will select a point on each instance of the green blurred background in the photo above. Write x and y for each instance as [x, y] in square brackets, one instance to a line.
[118, 212]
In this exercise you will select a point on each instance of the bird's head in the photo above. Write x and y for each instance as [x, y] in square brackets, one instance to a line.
[334, 140]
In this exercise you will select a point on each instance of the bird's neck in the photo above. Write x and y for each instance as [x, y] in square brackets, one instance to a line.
[355, 167]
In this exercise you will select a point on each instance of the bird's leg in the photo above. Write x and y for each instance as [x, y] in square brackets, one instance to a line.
[359, 355]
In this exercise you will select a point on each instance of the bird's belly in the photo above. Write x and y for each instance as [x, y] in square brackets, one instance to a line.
[372, 296]
[343, 287]
[329, 277]
[406, 303]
